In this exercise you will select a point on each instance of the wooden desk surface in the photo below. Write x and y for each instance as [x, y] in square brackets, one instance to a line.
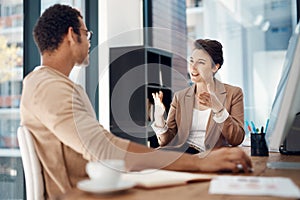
[197, 190]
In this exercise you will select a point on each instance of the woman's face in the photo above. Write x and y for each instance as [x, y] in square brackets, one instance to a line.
[200, 66]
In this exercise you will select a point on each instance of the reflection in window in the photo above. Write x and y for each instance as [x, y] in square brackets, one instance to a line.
[11, 71]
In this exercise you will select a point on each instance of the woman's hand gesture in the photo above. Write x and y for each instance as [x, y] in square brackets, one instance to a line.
[159, 109]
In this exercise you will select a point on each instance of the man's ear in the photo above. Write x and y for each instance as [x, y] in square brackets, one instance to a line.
[71, 36]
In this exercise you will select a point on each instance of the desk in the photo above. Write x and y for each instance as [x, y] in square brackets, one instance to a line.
[197, 190]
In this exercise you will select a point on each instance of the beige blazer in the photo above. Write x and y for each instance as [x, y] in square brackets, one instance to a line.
[179, 121]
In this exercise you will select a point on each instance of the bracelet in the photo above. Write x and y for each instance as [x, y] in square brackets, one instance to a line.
[218, 111]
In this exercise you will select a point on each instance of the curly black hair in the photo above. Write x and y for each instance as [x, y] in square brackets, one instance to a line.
[53, 25]
[213, 48]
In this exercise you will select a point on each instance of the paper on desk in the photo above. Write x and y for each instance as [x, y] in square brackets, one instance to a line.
[251, 185]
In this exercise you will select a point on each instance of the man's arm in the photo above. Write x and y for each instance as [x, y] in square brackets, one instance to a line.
[139, 157]
[76, 128]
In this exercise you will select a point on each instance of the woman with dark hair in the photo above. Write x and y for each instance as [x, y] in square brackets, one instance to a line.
[207, 115]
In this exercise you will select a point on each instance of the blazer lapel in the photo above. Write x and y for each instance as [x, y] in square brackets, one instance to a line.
[187, 113]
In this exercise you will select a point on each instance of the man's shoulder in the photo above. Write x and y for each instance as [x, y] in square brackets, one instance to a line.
[44, 84]
[43, 77]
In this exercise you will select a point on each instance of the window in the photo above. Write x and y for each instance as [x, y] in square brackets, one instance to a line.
[255, 36]
[11, 70]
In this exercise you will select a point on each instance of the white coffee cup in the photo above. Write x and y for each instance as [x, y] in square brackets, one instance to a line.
[106, 172]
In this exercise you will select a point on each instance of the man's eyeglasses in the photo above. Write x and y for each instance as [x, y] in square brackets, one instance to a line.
[88, 34]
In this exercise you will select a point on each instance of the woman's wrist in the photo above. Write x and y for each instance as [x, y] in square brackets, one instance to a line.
[159, 130]
[159, 124]
[159, 121]
[221, 116]
[216, 112]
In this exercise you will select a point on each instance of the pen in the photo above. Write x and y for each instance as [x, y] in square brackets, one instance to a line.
[253, 127]
[248, 126]
[267, 124]
[257, 130]
[262, 130]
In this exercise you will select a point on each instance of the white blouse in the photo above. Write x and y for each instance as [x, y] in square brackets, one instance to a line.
[198, 128]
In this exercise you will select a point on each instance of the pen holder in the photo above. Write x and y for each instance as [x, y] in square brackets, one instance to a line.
[258, 145]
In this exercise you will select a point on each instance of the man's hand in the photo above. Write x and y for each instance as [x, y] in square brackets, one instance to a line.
[226, 158]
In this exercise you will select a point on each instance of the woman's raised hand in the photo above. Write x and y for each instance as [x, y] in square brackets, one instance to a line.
[159, 109]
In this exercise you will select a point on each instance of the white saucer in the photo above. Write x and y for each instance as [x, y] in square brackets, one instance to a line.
[96, 187]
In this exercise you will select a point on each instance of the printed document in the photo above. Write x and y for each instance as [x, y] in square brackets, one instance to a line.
[254, 185]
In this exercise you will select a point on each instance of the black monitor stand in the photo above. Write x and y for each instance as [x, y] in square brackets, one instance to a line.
[290, 146]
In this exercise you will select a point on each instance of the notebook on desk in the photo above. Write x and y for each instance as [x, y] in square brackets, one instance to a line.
[153, 178]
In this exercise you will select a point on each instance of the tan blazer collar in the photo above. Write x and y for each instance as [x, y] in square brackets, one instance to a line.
[188, 107]
[187, 112]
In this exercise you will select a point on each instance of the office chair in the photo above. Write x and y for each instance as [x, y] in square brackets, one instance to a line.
[31, 164]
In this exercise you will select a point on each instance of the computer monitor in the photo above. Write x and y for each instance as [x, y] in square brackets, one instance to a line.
[287, 100]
